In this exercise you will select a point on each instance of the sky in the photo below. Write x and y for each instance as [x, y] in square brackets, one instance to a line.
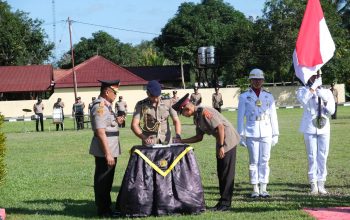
[127, 17]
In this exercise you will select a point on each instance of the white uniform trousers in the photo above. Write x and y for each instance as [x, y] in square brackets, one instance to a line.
[259, 156]
[317, 147]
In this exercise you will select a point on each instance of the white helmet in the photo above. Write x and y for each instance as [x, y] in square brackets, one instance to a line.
[256, 74]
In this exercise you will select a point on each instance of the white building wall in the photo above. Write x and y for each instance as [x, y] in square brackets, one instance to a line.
[285, 96]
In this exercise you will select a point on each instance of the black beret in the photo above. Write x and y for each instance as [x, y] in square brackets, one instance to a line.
[179, 105]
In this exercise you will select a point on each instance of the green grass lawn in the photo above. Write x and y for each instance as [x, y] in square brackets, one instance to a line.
[50, 174]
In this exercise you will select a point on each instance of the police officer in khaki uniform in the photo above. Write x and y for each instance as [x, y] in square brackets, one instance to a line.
[78, 112]
[217, 100]
[150, 120]
[196, 97]
[175, 98]
[38, 109]
[259, 132]
[105, 145]
[211, 122]
[121, 108]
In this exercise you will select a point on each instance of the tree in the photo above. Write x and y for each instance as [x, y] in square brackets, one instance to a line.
[22, 40]
[149, 55]
[212, 22]
[102, 44]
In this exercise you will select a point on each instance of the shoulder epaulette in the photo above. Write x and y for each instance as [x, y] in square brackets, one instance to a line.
[266, 91]
[143, 101]
[95, 103]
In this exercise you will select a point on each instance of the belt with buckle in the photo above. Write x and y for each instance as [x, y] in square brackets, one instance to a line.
[111, 133]
[261, 117]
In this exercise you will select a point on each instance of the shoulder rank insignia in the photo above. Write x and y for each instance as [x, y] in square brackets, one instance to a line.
[266, 91]
[100, 109]
[207, 114]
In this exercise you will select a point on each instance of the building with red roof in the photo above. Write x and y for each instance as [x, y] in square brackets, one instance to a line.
[25, 82]
[96, 68]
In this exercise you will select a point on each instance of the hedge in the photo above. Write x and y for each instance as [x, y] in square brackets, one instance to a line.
[2, 151]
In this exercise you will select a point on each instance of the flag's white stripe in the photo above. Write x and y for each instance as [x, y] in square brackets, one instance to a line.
[327, 46]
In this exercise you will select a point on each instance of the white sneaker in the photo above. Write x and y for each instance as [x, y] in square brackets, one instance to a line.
[314, 189]
[321, 189]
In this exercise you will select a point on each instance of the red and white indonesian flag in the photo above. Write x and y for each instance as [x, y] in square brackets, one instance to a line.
[315, 45]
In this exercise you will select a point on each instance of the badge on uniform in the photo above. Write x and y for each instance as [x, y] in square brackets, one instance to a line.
[258, 103]
[100, 110]
[207, 114]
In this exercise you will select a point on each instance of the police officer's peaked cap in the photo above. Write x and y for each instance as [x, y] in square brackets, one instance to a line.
[107, 83]
[179, 105]
[154, 88]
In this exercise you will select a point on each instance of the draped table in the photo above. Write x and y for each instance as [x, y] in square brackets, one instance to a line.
[161, 180]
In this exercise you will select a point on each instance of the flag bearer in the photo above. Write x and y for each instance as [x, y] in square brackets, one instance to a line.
[316, 129]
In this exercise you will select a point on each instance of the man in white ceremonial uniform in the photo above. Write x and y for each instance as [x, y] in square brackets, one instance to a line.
[259, 132]
[316, 131]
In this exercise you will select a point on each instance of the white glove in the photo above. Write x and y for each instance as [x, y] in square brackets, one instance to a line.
[317, 83]
[242, 141]
[274, 140]
[322, 94]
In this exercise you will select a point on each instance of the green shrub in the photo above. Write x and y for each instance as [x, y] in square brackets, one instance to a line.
[2, 151]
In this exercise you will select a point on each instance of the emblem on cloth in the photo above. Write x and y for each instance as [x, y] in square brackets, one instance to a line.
[163, 164]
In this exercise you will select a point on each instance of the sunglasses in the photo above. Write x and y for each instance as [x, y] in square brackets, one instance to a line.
[113, 90]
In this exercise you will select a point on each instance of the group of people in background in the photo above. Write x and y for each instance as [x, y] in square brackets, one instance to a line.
[257, 130]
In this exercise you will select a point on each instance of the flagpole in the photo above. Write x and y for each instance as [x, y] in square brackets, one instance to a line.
[319, 100]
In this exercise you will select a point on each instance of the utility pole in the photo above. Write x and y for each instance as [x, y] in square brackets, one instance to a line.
[72, 57]
[54, 29]
[182, 73]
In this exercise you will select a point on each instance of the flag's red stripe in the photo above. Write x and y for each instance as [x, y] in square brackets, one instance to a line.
[308, 42]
